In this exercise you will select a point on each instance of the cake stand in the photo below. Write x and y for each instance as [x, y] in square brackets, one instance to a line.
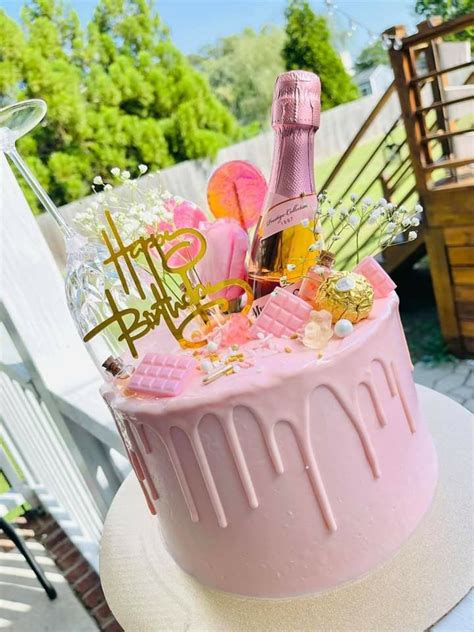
[429, 576]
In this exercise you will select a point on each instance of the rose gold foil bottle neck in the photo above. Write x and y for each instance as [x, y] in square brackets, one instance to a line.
[297, 99]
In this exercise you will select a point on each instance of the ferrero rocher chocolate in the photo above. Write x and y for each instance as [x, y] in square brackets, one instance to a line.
[346, 295]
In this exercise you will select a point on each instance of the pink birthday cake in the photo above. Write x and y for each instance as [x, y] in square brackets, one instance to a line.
[293, 475]
[264, 397]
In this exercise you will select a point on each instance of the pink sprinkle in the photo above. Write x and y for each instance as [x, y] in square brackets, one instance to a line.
[162, 375]
[376, 276]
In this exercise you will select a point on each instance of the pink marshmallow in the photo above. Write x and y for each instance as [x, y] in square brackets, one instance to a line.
[162, 375]
[283, 315]
[376, 276]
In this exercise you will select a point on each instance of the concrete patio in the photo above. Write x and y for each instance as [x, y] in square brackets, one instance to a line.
[454, 379]
[24, 606]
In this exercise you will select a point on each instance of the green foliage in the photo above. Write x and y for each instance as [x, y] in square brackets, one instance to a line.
[118, 93]
[242, 69]
[371, 56]
[308, 46]
[448, 9]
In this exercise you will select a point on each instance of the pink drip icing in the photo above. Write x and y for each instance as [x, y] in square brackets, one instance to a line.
[141, 461]
[375, 402]
[361, 430]
[240, 462]
[401, 394]
[183, 483]
[209, 481]
[303, 441]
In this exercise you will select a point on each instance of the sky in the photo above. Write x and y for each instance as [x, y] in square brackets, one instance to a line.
[196, 23]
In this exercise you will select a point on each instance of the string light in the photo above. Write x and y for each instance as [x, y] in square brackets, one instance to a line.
[388, 41]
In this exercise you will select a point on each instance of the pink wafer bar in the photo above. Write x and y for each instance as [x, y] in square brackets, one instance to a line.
[376, 276]
[283, 315]
[162, 375]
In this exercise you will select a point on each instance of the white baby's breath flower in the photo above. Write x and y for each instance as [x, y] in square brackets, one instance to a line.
[412, 235]
[318, 228]
[98, 180]
[344, 212]
[330, 212]
[125, 175]
[353, 197]
[291, 267]
[354, 220]
[304, 222]
[319, 269]
[373, 217]
[390, 206]
[108, 187]
[402, 209]
[396, 216]
[406, 222]
[317, 245]
[367, 200]
[415, 221]
[418, 208]
[142, 168]
[390, 227]
[382, 202]
[115, 171]
[283, 280]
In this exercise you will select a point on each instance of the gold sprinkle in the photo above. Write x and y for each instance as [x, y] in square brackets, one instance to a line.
[214, 357]
[235, 347]
[288, 349]
[294, 337]
[236, 357]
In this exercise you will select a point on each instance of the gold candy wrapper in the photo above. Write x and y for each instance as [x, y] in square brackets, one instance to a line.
[346, 295]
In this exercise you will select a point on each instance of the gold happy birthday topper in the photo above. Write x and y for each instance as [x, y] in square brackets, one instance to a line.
[135, 323]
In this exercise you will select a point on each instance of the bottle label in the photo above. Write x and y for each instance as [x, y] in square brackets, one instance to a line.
[288, 213]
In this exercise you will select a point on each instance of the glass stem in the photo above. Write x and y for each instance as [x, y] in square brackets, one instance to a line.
[40, 193]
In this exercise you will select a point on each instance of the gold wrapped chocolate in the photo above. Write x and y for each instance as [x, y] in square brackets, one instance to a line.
[346, 295]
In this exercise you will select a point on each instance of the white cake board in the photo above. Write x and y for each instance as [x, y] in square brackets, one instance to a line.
[146, 590]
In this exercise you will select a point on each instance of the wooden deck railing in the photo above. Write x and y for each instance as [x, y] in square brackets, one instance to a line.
[421, 157]
[441, 153]
[385, 171]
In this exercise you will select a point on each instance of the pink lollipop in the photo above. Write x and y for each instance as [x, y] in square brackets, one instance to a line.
[236, 190]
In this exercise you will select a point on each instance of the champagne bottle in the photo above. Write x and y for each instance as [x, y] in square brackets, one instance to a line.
[284, 241]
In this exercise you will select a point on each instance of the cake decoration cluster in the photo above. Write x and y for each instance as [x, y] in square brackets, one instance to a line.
[176, 270]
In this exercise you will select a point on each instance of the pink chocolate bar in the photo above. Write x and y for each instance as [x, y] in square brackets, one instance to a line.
[283, 315]
[162, 375]
[376, 276]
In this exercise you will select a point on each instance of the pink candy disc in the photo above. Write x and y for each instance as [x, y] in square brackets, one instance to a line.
[162, 375]
[376, 276]
[283, 315]
[236, 190]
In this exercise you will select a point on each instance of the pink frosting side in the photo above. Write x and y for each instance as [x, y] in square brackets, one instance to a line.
[294, 479]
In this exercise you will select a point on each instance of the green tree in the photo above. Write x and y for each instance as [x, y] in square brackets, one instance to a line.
[118, 93]
[308, 46]
[447, 9]
[242, 69]
[371, 56]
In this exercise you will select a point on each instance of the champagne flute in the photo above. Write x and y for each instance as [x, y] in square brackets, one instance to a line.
[86, 277]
